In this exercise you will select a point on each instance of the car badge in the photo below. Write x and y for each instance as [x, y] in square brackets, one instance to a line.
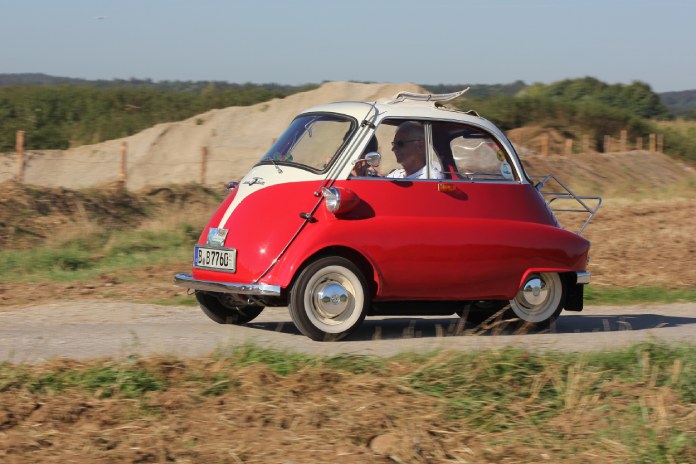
[216, 237]
[254, 181]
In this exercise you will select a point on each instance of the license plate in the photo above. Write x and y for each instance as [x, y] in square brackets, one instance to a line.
[224, 259]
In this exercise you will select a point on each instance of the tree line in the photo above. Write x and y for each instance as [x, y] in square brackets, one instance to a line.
[586, 106]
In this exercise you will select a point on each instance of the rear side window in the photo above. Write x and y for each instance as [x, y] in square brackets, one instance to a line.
[471, 154]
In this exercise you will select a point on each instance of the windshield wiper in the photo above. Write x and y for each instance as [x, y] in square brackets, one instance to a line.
[280, 171]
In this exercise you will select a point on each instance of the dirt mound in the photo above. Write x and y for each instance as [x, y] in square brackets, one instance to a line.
[615, 174]
[235, 137]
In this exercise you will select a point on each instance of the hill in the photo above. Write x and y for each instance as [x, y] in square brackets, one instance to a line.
[681, 103]
[39, 79]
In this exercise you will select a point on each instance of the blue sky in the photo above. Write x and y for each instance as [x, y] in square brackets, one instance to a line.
[310, 41]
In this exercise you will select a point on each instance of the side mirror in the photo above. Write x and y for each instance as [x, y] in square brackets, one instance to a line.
[373, 159]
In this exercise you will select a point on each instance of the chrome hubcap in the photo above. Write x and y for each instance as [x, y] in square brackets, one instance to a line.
[540, 297]
[332, 299]
[534, 292]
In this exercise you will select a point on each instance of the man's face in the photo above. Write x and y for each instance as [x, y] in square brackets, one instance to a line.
[406, 145]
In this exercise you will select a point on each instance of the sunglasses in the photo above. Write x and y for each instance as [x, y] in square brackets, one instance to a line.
[401, 143]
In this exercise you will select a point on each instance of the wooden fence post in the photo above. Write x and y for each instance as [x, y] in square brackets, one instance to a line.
[651, 142]
[545, 145]
[660, 143]
[607, 143]
[204, 163]
[624, 138]
[568, 146]
[123, 170]
[639, 143]
[20, 155]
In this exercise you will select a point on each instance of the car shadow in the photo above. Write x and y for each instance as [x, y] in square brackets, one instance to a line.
[392, 328]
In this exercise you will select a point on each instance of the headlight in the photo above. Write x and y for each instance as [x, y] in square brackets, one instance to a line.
[339, 200]
[332, 197]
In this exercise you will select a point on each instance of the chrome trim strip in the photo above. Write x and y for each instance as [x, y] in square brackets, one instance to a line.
[583, 277]
[187, 281]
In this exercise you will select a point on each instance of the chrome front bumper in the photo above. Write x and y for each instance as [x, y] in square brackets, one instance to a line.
[187, 281]
[583, 277]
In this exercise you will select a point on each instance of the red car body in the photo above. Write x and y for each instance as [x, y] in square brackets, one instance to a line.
[336, 245]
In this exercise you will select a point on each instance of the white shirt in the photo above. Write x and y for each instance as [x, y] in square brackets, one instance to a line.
[420, 174]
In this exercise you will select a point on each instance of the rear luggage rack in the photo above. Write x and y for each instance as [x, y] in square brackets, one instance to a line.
[564, 194]
[426, 97]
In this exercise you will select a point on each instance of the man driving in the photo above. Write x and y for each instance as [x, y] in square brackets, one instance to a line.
[409, 148]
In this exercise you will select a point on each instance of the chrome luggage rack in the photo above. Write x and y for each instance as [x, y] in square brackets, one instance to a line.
[564, 195]
[426, 97]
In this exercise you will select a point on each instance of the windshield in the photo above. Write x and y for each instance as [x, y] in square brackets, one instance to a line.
[311, 141]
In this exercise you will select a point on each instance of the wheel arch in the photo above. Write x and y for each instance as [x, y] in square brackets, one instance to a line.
[365, 265]
[568, 276]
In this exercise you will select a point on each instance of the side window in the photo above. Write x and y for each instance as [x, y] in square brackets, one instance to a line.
[470, 153]
[405, 147]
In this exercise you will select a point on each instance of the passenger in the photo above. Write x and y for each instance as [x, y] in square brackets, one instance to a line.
[409, 148]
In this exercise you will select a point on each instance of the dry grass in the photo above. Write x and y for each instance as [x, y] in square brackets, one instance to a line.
[253, 405]
[681, 124]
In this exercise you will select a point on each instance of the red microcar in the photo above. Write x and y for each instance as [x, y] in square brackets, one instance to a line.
[402, 207]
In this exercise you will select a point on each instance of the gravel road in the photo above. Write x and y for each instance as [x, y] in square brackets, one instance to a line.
[92, 329]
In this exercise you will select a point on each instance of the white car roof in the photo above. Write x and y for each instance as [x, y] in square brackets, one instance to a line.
[407, 105]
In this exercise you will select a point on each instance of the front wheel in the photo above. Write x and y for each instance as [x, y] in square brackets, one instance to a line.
[223, 309]
[329, 299]
[540, 300]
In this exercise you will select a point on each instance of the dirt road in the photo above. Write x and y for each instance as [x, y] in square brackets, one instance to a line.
[90, 329]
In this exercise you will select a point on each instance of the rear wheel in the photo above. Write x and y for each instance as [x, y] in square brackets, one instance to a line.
[540, 300]
[329, 299]
[225, 309]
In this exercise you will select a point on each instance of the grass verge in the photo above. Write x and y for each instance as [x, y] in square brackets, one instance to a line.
[85, 258]
[631, 405]
[625, 296]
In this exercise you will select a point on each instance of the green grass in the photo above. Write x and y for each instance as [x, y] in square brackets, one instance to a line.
[283, 363]
[121, 380]
[85, 258]
[624, 296]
